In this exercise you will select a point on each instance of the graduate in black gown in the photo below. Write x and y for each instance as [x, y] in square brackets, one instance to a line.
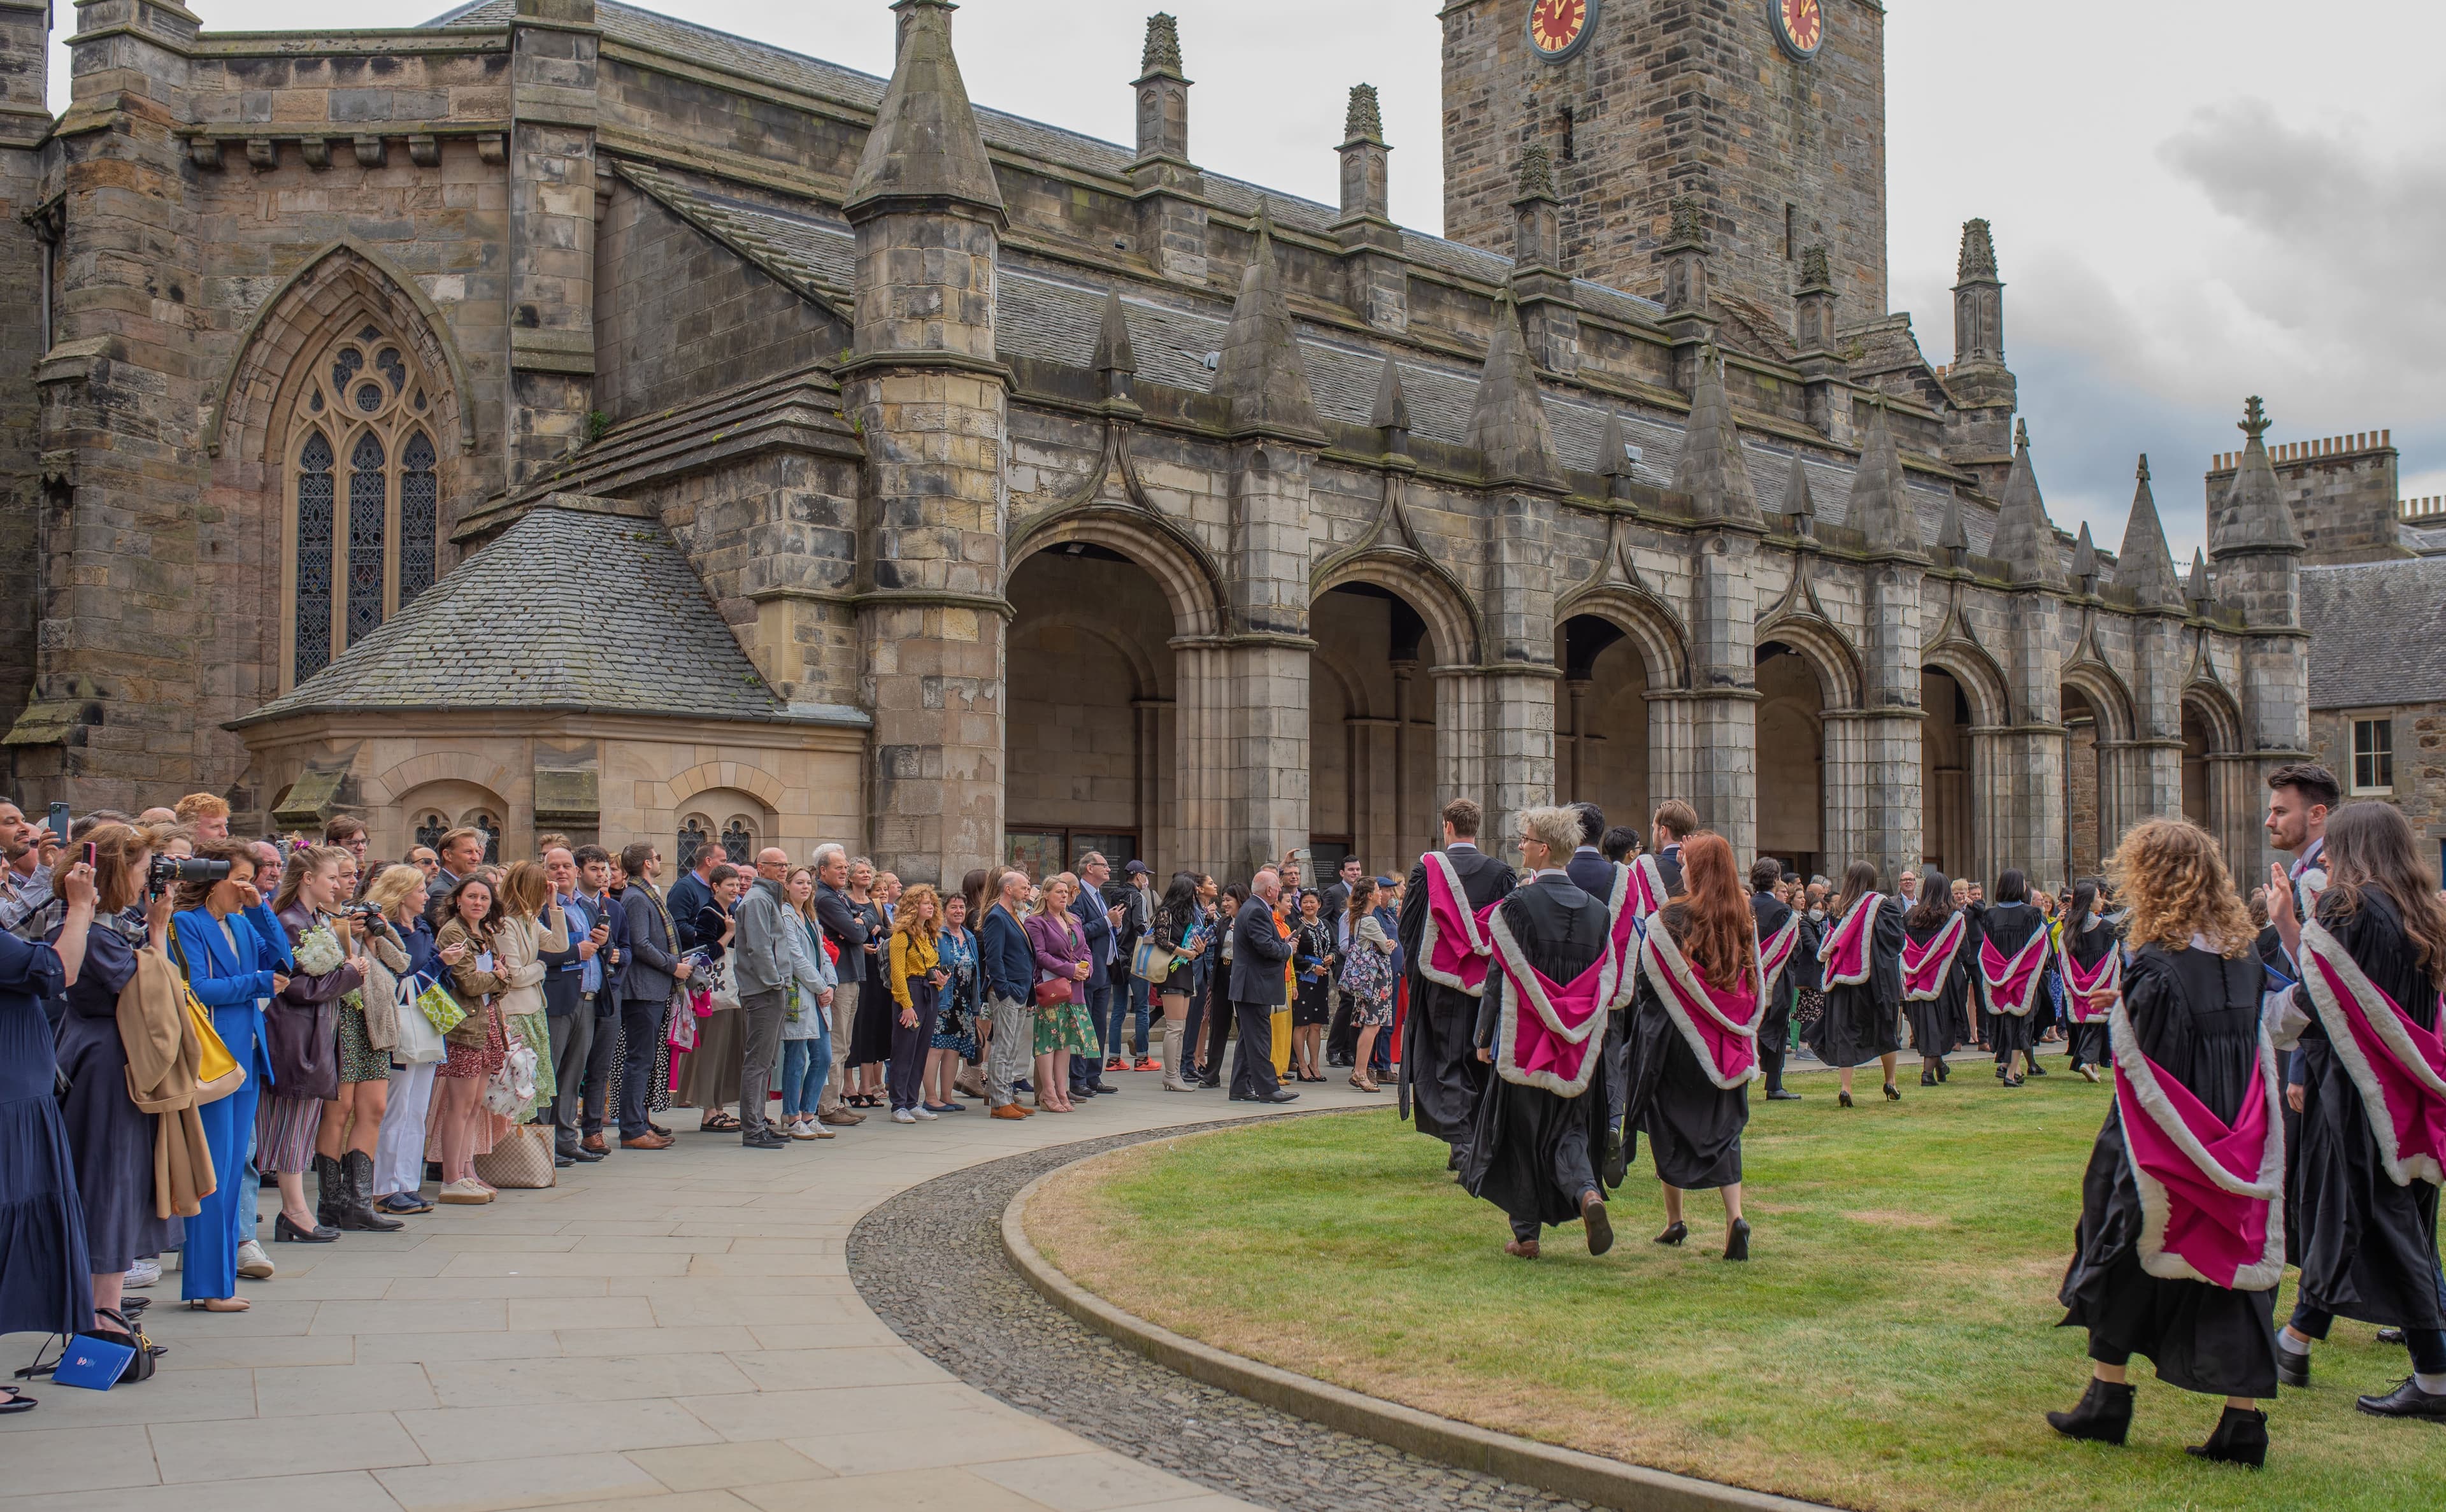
[2089, 940]
[1771, 915]
[1692, 1120]
[1862, 1020]
[2190, 1017]
[1538, 1136]
[2366, 1230]
[1940, 1025]
[1440, 1072]
[2010, 924]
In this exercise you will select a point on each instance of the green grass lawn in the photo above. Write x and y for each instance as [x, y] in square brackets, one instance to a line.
[1891, 1343]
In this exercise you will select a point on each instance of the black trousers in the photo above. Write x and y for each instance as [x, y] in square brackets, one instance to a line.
[595, 1092]
[1341, 1034]
[1218, 1022]
[1253, 1074]
[641, 1024]
[1773, 1034]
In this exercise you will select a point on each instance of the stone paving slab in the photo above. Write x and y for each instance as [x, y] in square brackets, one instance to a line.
[663, 1332]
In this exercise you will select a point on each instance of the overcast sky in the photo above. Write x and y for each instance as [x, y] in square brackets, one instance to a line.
[2193, 202]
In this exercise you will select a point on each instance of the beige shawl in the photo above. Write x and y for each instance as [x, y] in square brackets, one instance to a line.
[163, 1053]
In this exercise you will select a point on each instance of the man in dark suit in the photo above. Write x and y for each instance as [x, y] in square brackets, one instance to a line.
[692, 892]
[1440, 1072]
[1589, 868]
[1673, 822]
[1258, 952]
[1097, 917]
[648, 983]
[1775, 1023]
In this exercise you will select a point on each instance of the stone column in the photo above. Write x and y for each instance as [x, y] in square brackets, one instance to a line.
[552, 45]
[1891, 738]
[1268, 656]
[25, 308]
[1721, 778]
[930, 399]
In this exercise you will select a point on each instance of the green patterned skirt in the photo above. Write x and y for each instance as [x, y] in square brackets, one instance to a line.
[359, 1059]
[1066, 1026]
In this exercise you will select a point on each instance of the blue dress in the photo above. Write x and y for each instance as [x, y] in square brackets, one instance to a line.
[46, 1281]
[229, 971]
[110, 1138]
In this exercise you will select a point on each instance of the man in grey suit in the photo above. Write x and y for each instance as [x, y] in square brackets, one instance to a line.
[1258, 952]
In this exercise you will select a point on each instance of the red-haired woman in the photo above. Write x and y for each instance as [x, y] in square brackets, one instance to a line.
[1693, 1035]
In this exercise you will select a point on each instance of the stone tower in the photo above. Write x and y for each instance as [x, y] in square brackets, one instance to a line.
[1785, 149]
[25, 239]
[2255, 546]
[931, 399]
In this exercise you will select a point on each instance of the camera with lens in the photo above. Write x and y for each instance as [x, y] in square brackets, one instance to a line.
[358, 910]
[167, 870]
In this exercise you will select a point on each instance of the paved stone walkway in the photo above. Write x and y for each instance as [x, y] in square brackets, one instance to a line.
[675, 1330]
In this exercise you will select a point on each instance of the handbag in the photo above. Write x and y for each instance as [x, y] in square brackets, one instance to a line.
[681, 1036]
[723, 989]
[1052, 993]
[521, 1160]
[1148, 961]
[218, 1073]
[128, 1335]
[438, 1009]
[420, 1041]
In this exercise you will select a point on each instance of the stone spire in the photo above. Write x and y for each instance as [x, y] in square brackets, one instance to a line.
[1712, 472]
[1161, 56]
[1613, 457]
[1365, 119]
[2253, 515]
[925, 148]
[1260, 372]
[1977, 258]
[2200, 591]
[2025, 538]
[1390, 414]
[1880, 509]
[2084, 562]
[1536, 213]
[1114, 361]
[2144, 565]
[1953, 538]
[1366, 167]
[1799, 500]
[1508, 424]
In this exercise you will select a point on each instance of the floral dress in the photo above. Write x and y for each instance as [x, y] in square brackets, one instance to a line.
[955, 1021]
[1367, 977]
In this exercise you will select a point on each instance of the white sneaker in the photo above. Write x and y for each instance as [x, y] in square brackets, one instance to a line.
[927, 1114]
[252, 1263]
[902, 1115]
[143, 1272]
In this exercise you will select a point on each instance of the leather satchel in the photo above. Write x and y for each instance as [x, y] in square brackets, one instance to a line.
[521, 1160]
[1052, 993]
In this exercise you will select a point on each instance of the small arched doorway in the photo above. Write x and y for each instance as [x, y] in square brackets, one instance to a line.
[2084, 800]
[1791, 761]
[1949, 839]
[1372, 789]
[1601, 721]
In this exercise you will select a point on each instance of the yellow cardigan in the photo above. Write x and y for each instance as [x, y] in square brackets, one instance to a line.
[910, 961]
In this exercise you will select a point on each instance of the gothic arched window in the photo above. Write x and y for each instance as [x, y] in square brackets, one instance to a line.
[360, 554]
[692, 836]
[738, 841]
[430, 828]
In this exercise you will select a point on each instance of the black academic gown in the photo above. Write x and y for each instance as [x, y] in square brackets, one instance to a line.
[1862, 1020]
[1439, 1066]
[1775, 1026]
[1533, 1153]
[2089, 945]
[2367, 1248]
[2197, 1018]
[1940, 1025]
[2009, 927]
[1693, 1126]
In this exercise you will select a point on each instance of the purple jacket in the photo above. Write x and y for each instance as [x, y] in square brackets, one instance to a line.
[1060, 948]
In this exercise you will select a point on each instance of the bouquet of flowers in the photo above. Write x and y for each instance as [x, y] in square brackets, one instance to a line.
[318, 952]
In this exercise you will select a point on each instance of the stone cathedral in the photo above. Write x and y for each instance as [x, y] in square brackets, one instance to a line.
[561, 417]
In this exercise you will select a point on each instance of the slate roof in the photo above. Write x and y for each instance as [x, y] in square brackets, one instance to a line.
[2378, 633]
[497, 634]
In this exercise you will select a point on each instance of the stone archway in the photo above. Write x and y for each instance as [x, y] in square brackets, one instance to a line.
[1795, 822]
[1374, 727]
[1602, 719]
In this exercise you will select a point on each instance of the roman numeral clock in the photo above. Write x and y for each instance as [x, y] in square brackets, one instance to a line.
[1799, 26]
[1558, 28]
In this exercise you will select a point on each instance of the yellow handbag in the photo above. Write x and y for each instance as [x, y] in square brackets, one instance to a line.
[218, 1073]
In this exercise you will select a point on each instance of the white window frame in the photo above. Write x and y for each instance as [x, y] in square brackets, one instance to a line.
[2375, 723]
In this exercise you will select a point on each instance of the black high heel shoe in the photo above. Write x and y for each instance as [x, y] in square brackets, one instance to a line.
[1674, 1233]
[1893, 1094]
[1737, 1241]
[285, 1232]
[1843, 1098]
[2241, 1438]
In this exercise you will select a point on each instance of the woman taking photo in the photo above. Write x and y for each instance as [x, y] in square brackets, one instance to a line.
[954, 1041]
[1317, 952]
[916, 981]
[2183, 1269]
[1063, 1027]
[1180, 935]
[709, 1072]
[235, 956]
[399, 891]
[1861, 954]
[302, 1031]
[464, 1127]
[1366, 978]
[531, 923]
[109, 1137]
[807, 1017]
[2373, 1131]
[369, 1030]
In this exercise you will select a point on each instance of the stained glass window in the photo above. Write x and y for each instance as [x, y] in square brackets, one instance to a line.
[737, 841]
[691, 837]
[392, 367]
[368, 503]
[345, 367]
[492, 827]
[429, 830]
[315, 528]
[420, 513]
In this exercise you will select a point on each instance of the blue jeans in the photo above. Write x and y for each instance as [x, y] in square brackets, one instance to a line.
[1125, 1003]
[806, 1063]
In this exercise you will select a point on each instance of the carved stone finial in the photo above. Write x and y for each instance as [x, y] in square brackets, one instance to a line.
[1365, 121]
[2021, 435]
[1536, 174]
[2255, 420]
[1509, 423]
[1978, 251]
[1814, 273]
[1113, 353]
[2144, 565]
[1953, 538]
[1391, 411]
[2084, 560]
[2199, 593]
[1162, 55]
[2143, 473]
[1687, 228]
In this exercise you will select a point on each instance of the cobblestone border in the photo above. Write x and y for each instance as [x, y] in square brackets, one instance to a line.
[1561, 1472]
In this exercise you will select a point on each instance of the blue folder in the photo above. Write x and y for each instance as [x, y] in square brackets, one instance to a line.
[92, 1363]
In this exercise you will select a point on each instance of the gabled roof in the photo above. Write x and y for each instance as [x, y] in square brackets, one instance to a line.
[2378, 633]
[581, 606]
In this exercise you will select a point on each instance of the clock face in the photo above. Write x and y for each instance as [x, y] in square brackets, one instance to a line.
[1799, 25]
[1558, 28]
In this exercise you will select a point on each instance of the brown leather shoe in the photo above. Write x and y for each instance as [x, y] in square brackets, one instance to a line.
[841, 1118]
[1008, 1110]
[648, 1140]
[1525, 1248]
[594, 1143]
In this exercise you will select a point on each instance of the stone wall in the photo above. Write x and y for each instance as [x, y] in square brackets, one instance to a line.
[2342, 490]
[2419, 788]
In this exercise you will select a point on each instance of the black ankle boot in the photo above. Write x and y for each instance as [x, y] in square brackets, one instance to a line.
[357, 1172]
[331, 1192]
[2241, 1438]
[2104, 1413]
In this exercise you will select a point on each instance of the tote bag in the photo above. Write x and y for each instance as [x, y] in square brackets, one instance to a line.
[420, 1039]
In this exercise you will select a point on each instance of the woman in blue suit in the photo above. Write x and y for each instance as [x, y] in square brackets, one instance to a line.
[236, 955]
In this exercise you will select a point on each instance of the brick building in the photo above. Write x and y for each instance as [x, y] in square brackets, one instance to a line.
[409, 414]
